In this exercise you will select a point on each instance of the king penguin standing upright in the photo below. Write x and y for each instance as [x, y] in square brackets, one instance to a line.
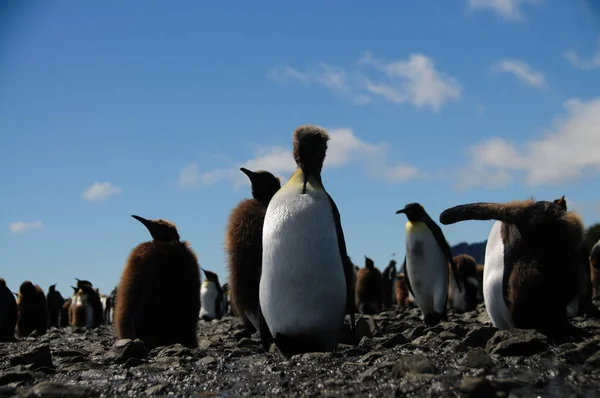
[426, 263]
[306, 284]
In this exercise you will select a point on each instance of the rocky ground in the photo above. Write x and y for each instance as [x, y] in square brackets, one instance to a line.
[397, 356]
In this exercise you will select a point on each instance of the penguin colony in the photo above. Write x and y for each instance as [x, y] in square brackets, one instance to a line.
[292, 282]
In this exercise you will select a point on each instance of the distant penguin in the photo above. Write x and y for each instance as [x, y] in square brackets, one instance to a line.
[401, 290]
[55, 304]
[211, 297]
[388, 284]
[109, 312]
[480, 280]
[243, 242]
[93, 298]
[33, 310]
[226, 301]
[8, 313]
[81, 312]
[64, 313]
[368, 289]
[531, 263]
[426, 264]
[595, 269]
[466, 274]
[158, 300]
[306, 285]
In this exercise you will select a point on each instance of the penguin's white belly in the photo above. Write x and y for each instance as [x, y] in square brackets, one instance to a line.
[208, 295]
[302, 286]
[427, 269]
[493, 274]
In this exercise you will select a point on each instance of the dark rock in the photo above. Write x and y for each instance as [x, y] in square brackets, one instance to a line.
[415, 332]
[367, 327]
[414, 363]
[393, 341]
[445, 335]
[593, 362]
[69, 353]
[204, 345]
[479, 336]
[429, 340]
[477, 387]
[6, 391]
[48, 389]
[476, 358]
[517, 342]
[80, 367]
[247, 342]
[207, 360]
[156, 389]
[13, 377]
[39, 357]
[458, 330]
[242, 333]
[580, 354]
[176, 350]
[132, 362]
[124, 349]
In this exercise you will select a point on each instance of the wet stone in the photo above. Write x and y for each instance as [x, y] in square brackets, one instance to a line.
[38, 357]
[478, 336]
[124, 349]
[414, 363]
[476, 358]
[517, 342]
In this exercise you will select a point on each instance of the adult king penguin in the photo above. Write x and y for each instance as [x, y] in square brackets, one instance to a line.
[426, 263]
[532, 257]
[306, 284]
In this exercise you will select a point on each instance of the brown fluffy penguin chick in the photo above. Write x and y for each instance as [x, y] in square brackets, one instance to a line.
[534, 250]
[81, 312]
[65, 313]
[480, 280]
[388, 279]
[93, 298]
[8, 313]
[466, 270]
[55, 304]
[33, 310]
[368, 289]
[158, 300]
[243, 244]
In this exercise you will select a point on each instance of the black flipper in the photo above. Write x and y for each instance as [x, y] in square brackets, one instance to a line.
[266, 339]
[218, 303]
[405, 269]
[443, 244]
[348, 266]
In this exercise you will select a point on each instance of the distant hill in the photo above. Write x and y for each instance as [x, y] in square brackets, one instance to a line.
[477, 250]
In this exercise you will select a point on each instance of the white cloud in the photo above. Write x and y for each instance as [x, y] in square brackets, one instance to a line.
[521, 71]
[24, 226]
[585, 64]
[414, 80]
[507, 9]
[344, 148]
[567, 152]
[99, 191]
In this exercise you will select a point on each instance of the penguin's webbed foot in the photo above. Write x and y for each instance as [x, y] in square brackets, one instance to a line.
[434, 318]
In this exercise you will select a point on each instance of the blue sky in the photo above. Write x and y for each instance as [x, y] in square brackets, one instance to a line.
[114, 108]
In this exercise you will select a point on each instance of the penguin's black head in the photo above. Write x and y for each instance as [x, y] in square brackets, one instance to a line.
[562, 202]
[82, 282]
[161, 230]
[414, 211]
[27, 288]
[2, 282]
[211, 276]
[310, 147]
[52, 288]
[264, 184]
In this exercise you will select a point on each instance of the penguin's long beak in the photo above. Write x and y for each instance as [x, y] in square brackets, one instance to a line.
[401, 211]
[249, 173]
[147, 223]
[204, 272]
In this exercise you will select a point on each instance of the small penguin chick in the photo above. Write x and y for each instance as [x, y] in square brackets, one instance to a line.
[81, 312]
[33, 310]
[243, 242]
[93, 298]
[158, 299]
[466, 273]
[8, 313]
[55, 304]
[403, 297]
[388, 280]
[368, 289]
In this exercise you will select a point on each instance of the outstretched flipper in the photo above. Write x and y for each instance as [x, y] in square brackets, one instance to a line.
[443, 243]
[406, 279]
